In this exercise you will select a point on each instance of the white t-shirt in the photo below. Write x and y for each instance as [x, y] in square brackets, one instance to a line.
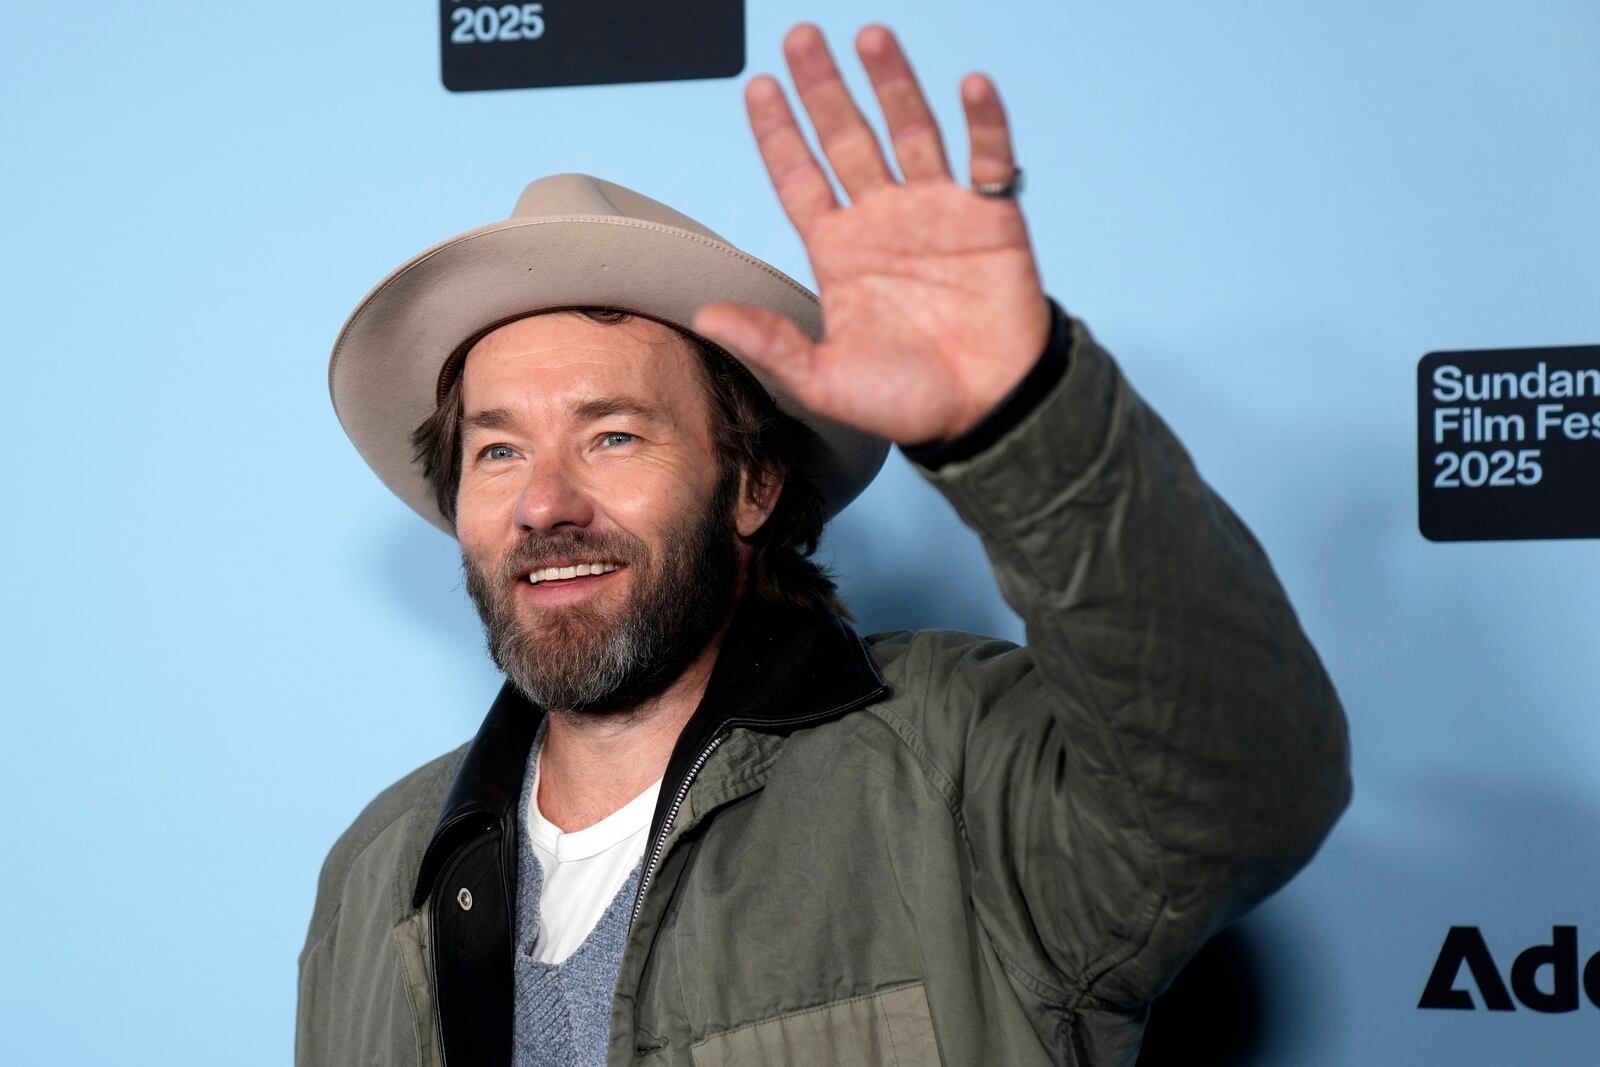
[584, 870]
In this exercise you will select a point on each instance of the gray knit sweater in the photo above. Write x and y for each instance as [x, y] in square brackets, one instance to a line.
[562, 1011]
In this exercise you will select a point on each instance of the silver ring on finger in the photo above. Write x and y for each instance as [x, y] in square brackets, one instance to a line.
[1006, 190]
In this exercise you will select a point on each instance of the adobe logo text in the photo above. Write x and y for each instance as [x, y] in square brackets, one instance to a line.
[1543, 978]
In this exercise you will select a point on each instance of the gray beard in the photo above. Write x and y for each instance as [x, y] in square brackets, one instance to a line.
[583, 659]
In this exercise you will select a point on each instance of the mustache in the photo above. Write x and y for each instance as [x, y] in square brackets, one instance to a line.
[538, 549]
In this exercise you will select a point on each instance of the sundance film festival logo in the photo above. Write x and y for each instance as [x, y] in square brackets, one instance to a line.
[1544, 977]
[486, 44]
[1508, 444]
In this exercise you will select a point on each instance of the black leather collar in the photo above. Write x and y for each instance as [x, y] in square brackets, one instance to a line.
[488, 784]
[777, 671]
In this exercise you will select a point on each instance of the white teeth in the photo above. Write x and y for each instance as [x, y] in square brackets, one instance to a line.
[580, 570]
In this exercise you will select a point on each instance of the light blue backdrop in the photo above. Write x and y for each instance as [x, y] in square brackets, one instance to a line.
[221, 636]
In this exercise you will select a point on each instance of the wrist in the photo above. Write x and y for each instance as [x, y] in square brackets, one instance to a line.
[1047, 369]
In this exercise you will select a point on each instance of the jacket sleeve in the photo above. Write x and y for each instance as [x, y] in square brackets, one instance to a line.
[1174, 750]
[365, 993]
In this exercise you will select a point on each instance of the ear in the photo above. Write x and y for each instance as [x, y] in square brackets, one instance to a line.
[758, 497]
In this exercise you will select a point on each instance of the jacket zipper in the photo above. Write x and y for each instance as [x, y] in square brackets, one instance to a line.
[666, 825]
[700, 761]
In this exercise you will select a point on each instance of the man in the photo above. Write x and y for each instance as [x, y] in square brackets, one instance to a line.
[705, 823]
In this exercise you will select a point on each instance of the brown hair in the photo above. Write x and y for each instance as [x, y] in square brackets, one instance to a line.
[751, 435]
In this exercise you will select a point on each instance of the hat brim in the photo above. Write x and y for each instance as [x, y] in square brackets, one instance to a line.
[384, 374]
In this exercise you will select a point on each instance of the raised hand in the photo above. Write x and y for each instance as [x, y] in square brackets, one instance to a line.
[932, 308]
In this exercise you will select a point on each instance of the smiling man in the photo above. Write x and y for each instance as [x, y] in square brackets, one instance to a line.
[706, 822]
[602, 540]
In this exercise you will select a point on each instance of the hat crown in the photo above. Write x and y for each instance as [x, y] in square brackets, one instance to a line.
[594, 198]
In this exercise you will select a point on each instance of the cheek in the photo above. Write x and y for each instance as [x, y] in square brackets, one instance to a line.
[481, 536]
[470, 527]
[646, 505]
[642, 491]
[660, 476]
[486, 509]
[483, 560]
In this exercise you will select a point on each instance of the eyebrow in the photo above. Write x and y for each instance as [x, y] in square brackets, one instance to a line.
[491, 419]
[599, 408]
[609, 406]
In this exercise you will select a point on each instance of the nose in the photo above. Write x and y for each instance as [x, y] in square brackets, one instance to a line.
[553, 498]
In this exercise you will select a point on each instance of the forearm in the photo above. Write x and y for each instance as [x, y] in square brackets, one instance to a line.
[1191, 703]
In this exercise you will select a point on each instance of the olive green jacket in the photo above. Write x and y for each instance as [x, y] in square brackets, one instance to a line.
[909, 848]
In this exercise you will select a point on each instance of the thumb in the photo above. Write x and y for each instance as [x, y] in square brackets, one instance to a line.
[767, 339]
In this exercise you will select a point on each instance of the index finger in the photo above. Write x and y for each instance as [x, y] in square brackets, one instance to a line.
[798, 178]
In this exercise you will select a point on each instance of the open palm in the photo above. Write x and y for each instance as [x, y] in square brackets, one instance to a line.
[931, 303]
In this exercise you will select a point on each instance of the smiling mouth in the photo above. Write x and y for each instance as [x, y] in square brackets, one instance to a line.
[541, 575]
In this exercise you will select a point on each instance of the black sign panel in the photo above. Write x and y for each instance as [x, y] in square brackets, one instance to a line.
[1508, 444]
[488, 45]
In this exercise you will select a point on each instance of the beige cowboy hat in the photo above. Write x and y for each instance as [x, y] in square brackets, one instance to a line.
[572, 241]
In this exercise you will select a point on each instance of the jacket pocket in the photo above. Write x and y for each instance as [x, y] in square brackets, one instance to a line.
[891, 1026]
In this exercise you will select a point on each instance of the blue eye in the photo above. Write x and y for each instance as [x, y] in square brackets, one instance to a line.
[499, 452]
[616, 438]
